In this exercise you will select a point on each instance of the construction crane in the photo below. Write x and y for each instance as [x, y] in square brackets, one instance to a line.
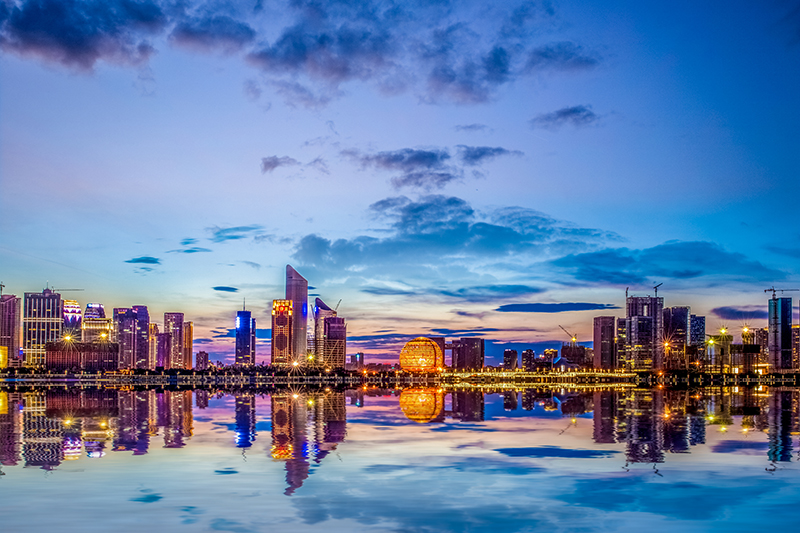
[65, 290]
[656, 289]
[572, 337]
[773, 290]
[337, 305]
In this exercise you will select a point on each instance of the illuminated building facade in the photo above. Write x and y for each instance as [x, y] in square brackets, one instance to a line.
[335, 343]
[42, 322]
[72, 315]
[528, 360]
[163, 346]
[780, 334]
[245, 339]
[65, 356]
[245, 416]
[605, 343]
[645, 351]
[152, 345]
[201, 362]
[10, 328]
[282, 331]
[188, 345]
[297, 292]
[97, 329]
[94, 310]
[132, 332]
[421, 355]
[510, 359]
[173, 325]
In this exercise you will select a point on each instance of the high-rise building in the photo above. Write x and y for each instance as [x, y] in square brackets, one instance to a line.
[697, 330]
[94, 311]
[163, 347]
[10, 327]
[72, 315]
[152, 345]
[677, 325]
[641, 338]
[330, 337]
[132, 332]
[201, 362]
[780, 334]
[297, 292]
[245, 339]
[510, 359]
[468, 353]
[173, 324]
[282, 331]
[622, 342]
[96, 329]
[605, 343]
[42, 322]
[646, 352]
[87, 356]
[528, 360]
[188, 345]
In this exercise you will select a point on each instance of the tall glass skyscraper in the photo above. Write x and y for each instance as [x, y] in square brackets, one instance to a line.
[173, 325]
[42, 322]
[282, 330]
[780, 334]
[297, 292]
[245, 338]
[605, 353]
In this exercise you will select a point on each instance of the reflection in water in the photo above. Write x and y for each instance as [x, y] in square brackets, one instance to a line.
[245, 403]
[423, 405]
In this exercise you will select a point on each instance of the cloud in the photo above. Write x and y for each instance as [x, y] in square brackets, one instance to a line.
[564, 56]
[223, 288]
[489, 293]
[79, 34]
[187, 242]
[320, 164]
[471, 127]
[553, 308]
[219, 234]
[268, 164]
[577, 116]
[475, 155]
[423, 168]
[252, 264]
[145, 260]
[742, 312]
[387, 291]
[787, 252]
[217, 32]
[192, 250]
[671, 260]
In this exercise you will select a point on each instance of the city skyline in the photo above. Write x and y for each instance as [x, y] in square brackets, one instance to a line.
[445, 170]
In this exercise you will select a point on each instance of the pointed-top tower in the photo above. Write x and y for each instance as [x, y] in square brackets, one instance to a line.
[297, 292]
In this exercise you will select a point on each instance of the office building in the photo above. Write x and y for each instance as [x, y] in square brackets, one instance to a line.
[646, 351]
[173, 325]
[163, 347]
[245, 349]
[72, 315]
[152, 345]
[605, 340]
[188, 345]
[42, 322]
[528, 360]
[468, 353]
[321, 312]
[94, 310]
[510, 359]
[282, 331]
[201, 361]
[335, 342]
[780, 334]
[97, 329]
[297, 292]
[132, 333]
[697, 330]
[10, 328]
[66, 355]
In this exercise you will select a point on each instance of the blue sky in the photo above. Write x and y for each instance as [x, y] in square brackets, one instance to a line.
[429, 163]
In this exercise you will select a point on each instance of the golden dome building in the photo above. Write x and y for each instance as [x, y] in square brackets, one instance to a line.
[421, 355]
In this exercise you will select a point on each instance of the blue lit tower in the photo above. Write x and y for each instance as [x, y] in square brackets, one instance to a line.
[245, 338]
[297, 292]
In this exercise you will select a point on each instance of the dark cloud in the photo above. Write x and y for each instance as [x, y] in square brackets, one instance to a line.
[474, 332]
[471, 127]
[187, 242]
[192, 250]
[268, 164]
[475, 155]
[421, 168]
[560, 56]
[671, 260]
[217, 32]
[223, 288]
[577, 116]
[145, 260]
[233, 233]
[387, 291]
[554, 452]
[490, 293]
[743, 312]
[77, 34]
[553, 308]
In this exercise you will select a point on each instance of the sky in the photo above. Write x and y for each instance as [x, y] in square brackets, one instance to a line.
[442, 168]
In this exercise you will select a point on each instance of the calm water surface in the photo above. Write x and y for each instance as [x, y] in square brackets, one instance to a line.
[416, 460]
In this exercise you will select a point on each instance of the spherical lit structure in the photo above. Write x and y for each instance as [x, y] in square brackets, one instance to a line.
[422, 405]
[421, 355]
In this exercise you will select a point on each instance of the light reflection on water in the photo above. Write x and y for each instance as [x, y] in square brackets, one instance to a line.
[413, 460]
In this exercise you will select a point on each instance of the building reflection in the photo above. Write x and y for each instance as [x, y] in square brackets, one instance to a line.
[245, 409]
[306, 428]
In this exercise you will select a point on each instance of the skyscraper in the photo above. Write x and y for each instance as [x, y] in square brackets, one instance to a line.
[297, 292]
[202, 360]
[132, 332]
[528, 360]
[468, 353]
[282, 331]
[42, 322]
[152, 345]
[245, 339]
[330, 337]
[780, 334]
[510, 359]
[9, 327]
[72, 315]
[604, 343]
[697, 330]
[173, 325]
[646, 352]
[188, 345]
